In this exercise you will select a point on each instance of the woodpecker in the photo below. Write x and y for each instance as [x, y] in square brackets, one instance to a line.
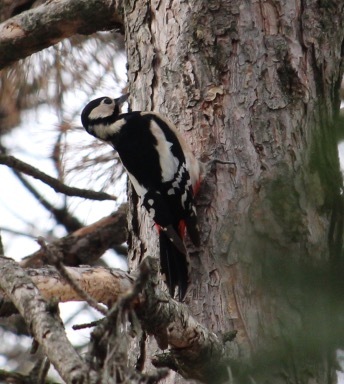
[163, 171]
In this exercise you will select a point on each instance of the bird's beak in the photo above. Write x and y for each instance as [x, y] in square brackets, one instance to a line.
[122, 99]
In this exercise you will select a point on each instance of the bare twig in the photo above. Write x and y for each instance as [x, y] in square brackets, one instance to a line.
[92, 324]
[40, 371]
[12, 377]
[87, 244]
[55, 257]
[109, 336]
[28, 169]
[46, 326]
[62, 216]
[19, 233]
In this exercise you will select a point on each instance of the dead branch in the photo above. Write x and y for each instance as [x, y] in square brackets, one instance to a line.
[109, 347]
[45, 324]
[55, 258]
[55, 184]
[195, 352]
[12, 377]
[36, 376]
[105, 285]
[46, 25]
[87, 244]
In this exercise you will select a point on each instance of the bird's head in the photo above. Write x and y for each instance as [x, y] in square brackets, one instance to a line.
[100, 114]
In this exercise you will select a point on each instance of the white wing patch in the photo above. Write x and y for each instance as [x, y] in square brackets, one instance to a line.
[168, 163]
[192, 164]
[184, 198]
[140, 190]
[151, 213]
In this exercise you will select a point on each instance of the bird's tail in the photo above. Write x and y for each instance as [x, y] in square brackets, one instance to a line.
[174, 265]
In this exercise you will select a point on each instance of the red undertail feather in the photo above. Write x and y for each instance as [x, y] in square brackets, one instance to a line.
[182, 229]
[196, 187]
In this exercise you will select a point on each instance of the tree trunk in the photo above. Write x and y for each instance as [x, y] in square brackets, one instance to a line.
[254, 83]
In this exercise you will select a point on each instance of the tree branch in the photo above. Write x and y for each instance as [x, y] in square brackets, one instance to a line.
[87, 244]
[12, 377]
[55, 258]
[43, 321]
[57, 186]
[46, 25]
[61, 215]
[105, 285]
[195, 352]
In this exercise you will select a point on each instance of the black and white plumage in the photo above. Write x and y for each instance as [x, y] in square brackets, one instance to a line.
[163, 171]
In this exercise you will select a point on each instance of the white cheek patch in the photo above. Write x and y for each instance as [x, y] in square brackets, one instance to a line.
[102, 111]
[104, 131]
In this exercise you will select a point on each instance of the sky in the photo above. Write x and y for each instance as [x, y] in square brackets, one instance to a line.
[32, 141]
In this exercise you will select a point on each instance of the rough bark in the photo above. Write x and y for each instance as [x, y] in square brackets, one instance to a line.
[254, 83]
[46, 25]
[105, 285]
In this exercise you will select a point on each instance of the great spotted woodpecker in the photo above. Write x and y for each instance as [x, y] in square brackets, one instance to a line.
[163, 171]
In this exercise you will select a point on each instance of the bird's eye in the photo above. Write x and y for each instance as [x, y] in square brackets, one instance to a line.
[107, 101]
